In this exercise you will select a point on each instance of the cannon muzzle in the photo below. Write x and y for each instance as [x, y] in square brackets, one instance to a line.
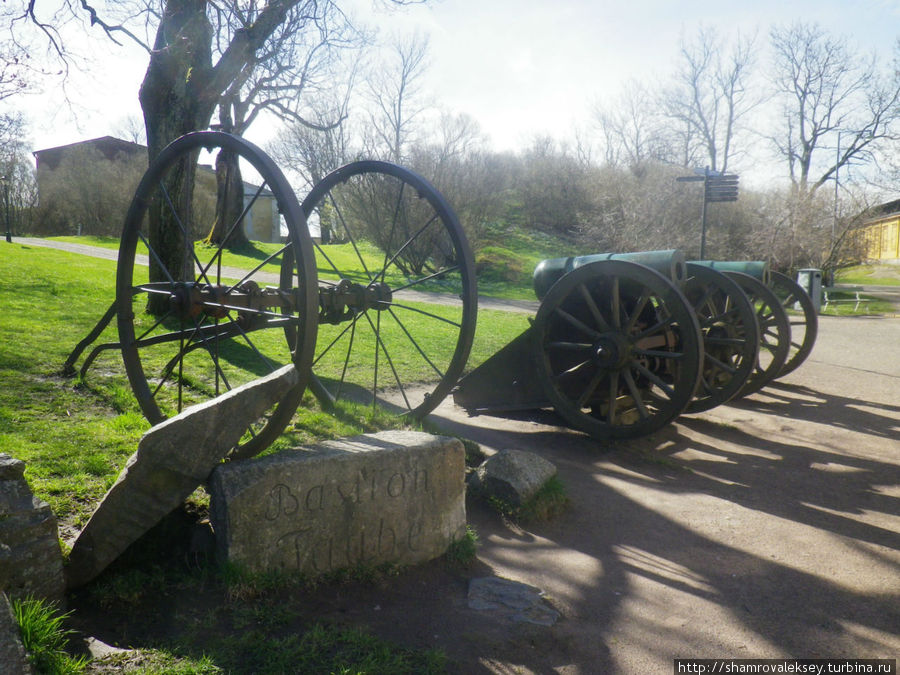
[758, 269]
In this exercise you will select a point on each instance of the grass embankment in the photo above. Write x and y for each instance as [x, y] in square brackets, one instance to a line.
[870, 275]
[504, 262]
[76, 436]
[844, 302]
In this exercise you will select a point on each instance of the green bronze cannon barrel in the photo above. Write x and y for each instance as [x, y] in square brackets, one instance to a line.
[758, 269]
[669, 263]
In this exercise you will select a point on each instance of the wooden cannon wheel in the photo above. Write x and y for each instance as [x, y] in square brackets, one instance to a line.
[774, 332]
[618, 349]
[803, 320]
[730, 335]
[189, 336]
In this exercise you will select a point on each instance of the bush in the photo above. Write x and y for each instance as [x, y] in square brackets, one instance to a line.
[495, 263]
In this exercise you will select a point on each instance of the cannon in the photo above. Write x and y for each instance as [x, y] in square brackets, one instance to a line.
[217, 324]
[624, 343]
[621, 344]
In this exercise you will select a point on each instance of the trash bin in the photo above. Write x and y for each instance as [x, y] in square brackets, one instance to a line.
[810, 280]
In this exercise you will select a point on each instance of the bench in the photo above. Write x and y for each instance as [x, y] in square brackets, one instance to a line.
[831, 295]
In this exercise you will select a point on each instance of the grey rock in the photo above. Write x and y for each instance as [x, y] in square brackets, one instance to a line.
[172, 459]
[13, 660]
[392, 496]
[30, 557]
[513, 600]
[513, 476]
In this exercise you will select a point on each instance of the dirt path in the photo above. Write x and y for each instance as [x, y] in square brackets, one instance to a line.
[769, 528]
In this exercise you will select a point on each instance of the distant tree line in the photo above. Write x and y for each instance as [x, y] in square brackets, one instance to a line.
[835, 113]
[817, 103]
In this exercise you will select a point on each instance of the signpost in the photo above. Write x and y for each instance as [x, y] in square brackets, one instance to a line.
[717, 187]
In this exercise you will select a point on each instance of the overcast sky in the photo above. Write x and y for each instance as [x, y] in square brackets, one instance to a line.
[519, 67]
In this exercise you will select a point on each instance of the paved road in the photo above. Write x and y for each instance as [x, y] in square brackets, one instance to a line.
[523, 306]
[768, 528]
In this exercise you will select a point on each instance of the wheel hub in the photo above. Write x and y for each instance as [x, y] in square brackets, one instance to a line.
[611, 351]
[347, 299]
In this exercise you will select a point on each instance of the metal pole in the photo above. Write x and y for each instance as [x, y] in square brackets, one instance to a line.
[6, 200]
[837, 168]
[703, 218]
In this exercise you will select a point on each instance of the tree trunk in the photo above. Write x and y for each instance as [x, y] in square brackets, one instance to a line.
[228, 228]
[175, 100]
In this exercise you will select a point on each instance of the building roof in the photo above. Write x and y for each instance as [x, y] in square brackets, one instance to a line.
[110, 146]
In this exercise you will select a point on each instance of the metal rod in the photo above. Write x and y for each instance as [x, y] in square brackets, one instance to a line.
[703, 217]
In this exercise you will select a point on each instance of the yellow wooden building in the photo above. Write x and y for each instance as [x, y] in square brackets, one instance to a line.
[881, 234]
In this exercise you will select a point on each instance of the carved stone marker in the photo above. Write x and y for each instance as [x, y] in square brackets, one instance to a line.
[30, 557]
[172, 459]
[392, 496]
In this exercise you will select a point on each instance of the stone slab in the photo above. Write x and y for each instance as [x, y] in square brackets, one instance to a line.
[30, 557]
[171, 461]
[512, 600]
[392, 496]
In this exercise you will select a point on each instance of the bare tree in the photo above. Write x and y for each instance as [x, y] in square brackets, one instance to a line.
[18, 191]
[201, 51]
[466, 175]
[709, 97]
[631, 129]
[311, 152]
[828, 91]
[300, 62]
[131, 128]
[396, 96]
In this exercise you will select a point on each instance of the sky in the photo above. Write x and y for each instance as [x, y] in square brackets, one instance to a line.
[521, 68]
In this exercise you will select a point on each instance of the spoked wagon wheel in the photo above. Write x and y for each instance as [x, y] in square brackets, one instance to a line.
[730, 335]
[618, 349]
[397, 290]
[774, 332]
[219, 320]
[804, 320]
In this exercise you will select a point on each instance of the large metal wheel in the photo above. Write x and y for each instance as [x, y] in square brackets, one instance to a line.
[730, 335]
[398, 295]
[774, 332]
[221, 321]
[802, 317]
[618, 349]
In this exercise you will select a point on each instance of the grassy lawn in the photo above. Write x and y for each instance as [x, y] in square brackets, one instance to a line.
[505, 263]
[870, 275]
[76, 436]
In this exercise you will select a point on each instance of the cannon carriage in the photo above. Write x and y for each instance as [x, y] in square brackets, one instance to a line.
[190, 336]
[624, 343]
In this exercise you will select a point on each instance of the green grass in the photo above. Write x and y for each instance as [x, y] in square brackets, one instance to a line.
[463, 552]
[508, 256]
[870, 275]
[45, 637]
[505, 261]
[868, 305]
[75, 436]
